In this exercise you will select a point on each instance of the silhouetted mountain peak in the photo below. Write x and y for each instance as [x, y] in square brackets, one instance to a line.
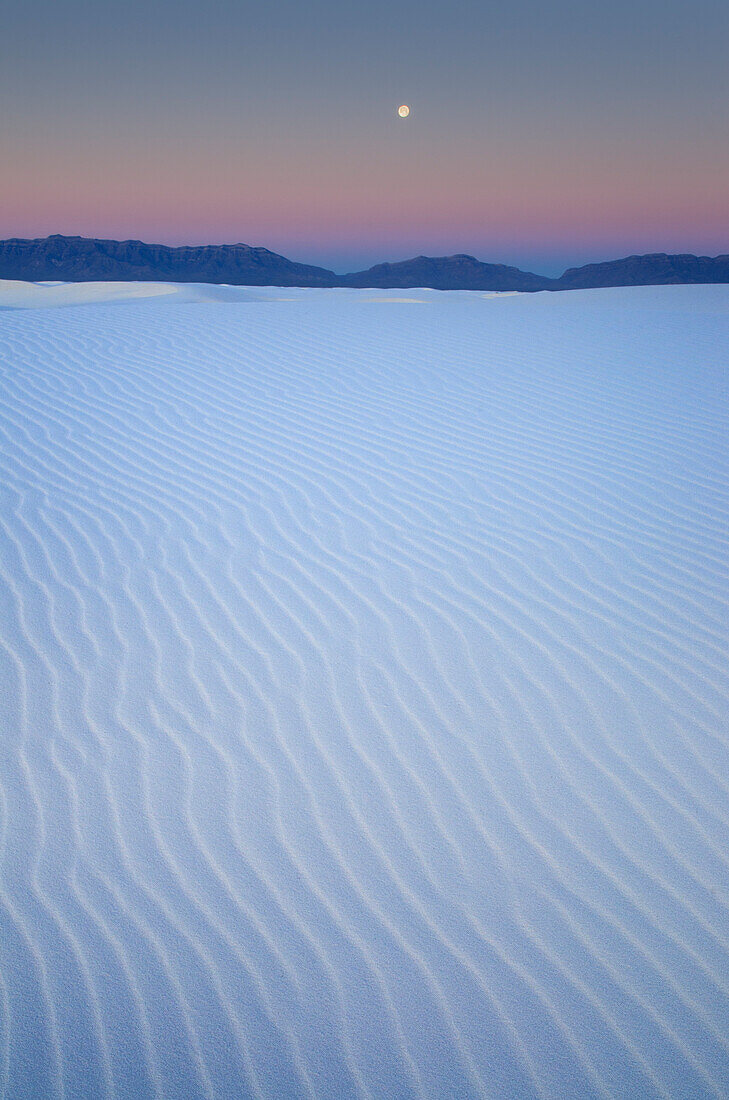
[658, 268]
[458, 272]
[81, 259]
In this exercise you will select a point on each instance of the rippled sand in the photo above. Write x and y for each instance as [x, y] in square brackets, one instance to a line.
[365, 694]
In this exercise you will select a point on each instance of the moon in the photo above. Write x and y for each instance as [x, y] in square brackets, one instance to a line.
[403, 111]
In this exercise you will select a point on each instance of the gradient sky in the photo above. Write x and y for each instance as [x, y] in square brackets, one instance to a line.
[542, 133]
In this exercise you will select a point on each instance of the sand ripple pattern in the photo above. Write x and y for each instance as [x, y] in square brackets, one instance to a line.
[365, 697]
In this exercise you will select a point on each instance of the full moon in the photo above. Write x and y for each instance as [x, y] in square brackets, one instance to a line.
[403, 111]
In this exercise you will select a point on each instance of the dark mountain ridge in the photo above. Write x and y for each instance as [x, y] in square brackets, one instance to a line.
[653, 270]
[86, 259]
[459, 272]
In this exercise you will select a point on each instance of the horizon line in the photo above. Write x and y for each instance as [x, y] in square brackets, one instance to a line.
[359, 271]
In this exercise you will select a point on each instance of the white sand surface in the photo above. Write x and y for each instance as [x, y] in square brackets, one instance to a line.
[365, 693]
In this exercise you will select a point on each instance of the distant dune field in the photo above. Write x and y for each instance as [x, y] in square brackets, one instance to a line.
[365, 693]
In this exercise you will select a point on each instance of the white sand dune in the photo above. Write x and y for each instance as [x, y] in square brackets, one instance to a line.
[15, 294]
[365, 695]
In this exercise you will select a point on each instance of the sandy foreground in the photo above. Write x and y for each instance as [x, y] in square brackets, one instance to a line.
[365, 693]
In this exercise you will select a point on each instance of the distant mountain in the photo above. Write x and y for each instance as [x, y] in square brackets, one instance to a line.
[653, 270]
[447, 273]
[84, 259]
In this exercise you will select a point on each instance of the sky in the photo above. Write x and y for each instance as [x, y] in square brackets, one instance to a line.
[541, 134]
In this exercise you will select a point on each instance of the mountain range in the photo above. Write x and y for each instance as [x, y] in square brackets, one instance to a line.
[84, 259]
